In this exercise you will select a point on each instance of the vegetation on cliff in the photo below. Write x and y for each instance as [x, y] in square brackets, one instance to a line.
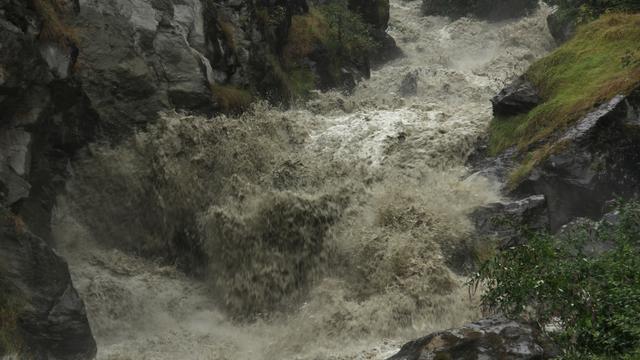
[54, 28]
[10, 337]
[306, 47]
[332, 37]
[486, 9]
[585, 281]
[601, 61]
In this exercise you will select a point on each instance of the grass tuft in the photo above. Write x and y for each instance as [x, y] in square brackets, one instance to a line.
[228, 31]
[231, 99]
[54, 28]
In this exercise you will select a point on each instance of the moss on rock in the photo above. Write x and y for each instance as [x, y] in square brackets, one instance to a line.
[601, 61]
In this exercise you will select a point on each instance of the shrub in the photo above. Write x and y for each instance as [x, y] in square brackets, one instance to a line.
[348, 34]
[332, 36]
[560, 279]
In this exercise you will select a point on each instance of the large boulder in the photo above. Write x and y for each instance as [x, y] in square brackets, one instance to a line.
[596, 160]
[376, 14]
[141, 57]
[517, 98]
[484, 9]
[562, 26]
[44, 116]
[491, 338]
[508, 222]
[51, 322]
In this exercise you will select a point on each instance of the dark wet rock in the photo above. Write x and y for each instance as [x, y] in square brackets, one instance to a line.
[491, 338]
[597, 159]
[409, 84]
[495, 168]
[517, 98]
[44, 116]
[509, 222]
[51, 316]
[485, 9]
[137, 60]
[376, 14]
[561, 26]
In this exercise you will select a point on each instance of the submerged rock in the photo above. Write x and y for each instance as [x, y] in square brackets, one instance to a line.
[409, 85]
[517, 98]
[491, 338]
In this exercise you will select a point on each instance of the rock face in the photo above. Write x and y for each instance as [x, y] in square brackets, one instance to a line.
[491, 338]
[139, 57]
[561, 26]
[376, 14]
[44, 117]
[75, 71]
[507, 222]
[51, 316]
[88, 69]
[598, 160]
[517, 98]
[485, 9]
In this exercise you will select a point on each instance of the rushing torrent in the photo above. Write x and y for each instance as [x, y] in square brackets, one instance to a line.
[334, 230]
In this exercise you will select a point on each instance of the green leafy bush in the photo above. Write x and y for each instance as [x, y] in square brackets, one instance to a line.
[593, 295]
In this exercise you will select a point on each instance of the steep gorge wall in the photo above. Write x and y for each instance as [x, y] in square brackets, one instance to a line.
[77, 71]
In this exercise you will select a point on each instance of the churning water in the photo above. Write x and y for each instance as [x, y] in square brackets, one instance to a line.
[331, 231]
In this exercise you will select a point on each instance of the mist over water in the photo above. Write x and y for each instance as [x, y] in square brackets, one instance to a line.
[328, 231]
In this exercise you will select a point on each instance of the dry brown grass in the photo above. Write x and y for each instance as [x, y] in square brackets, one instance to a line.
[230, 98]
[228, 30]
[54, 28]
[305, 33]
[19, 225]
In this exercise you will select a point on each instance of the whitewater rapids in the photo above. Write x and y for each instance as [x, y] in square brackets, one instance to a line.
[333, 230]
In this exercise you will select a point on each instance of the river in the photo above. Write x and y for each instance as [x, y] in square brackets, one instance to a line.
[333, 230]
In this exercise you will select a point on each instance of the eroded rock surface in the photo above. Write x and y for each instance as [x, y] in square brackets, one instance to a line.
[508, 222]
[597, 160]
[52, 321]
[518, 97]
[491, 338]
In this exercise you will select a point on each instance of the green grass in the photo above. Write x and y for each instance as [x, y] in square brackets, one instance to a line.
[601, 61]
